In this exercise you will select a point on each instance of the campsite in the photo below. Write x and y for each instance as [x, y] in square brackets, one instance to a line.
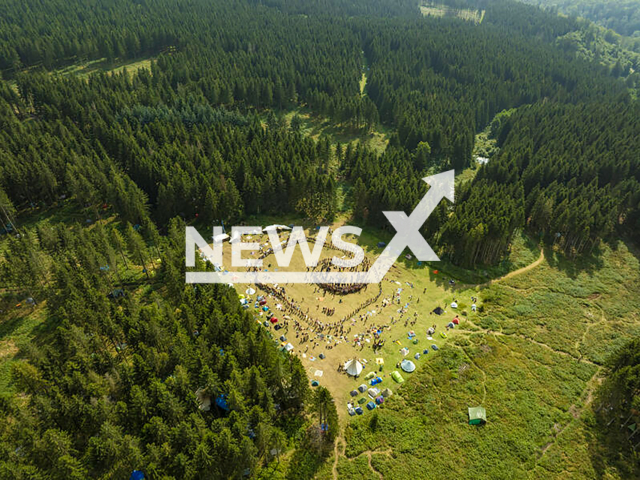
[379, 326]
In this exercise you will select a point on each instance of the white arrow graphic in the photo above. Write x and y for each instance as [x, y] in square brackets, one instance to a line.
[408, 228]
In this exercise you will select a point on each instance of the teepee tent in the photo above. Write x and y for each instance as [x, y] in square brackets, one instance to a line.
[353, 367]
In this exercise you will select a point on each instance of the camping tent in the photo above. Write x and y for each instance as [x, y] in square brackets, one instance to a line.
[477, 416]
[250, 291]
[408, 366]
[220, 238]
[397, 377]
[275, 228]
[438, 311]
[387, 392]
[353, 367]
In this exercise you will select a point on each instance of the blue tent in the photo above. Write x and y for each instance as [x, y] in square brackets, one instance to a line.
[137, 475]
[381, 244]
[221, 401]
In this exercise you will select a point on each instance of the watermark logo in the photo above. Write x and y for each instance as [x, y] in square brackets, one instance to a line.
[407, 235]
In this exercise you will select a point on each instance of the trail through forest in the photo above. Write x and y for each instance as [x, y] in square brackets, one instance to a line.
[515, 273]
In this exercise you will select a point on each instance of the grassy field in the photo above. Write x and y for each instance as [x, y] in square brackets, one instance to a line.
[317, 126]
[532, 358]
[84, 69]
[436, 10]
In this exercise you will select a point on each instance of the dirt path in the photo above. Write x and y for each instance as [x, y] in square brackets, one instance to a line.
[576, 412]
[368, 453]
[484, 375]
[515, 273]
[336, 455]
[529, 339]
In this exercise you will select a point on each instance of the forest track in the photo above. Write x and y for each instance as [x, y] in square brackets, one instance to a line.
[515, 273]
[576, 412]
[336, 456]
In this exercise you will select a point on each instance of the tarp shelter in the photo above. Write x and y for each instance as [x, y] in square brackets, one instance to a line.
[408, 366]
[477, 416]
[438, 311]
[221, 402]
[353, 367]
[204, 401]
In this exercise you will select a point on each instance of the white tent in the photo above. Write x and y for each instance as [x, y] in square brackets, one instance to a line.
[353, 367]
[408, 366]
[235, 235]
[250, 291]
[275, 228]
[221, 238]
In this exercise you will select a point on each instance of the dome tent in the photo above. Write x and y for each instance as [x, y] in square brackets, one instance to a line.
[408, 366]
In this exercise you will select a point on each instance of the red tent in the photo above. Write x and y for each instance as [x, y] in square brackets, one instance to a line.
[263, 302]
[273, 320]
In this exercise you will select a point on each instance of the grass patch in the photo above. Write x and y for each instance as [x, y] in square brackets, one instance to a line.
[317, 127]
[534, 372]
[440, 11]
[84, 69]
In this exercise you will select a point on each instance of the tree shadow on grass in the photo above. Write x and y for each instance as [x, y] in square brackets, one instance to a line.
[308, 458]
[609, 449]
[587, 263]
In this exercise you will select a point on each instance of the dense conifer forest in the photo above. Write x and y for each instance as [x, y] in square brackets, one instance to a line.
[202, 136]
